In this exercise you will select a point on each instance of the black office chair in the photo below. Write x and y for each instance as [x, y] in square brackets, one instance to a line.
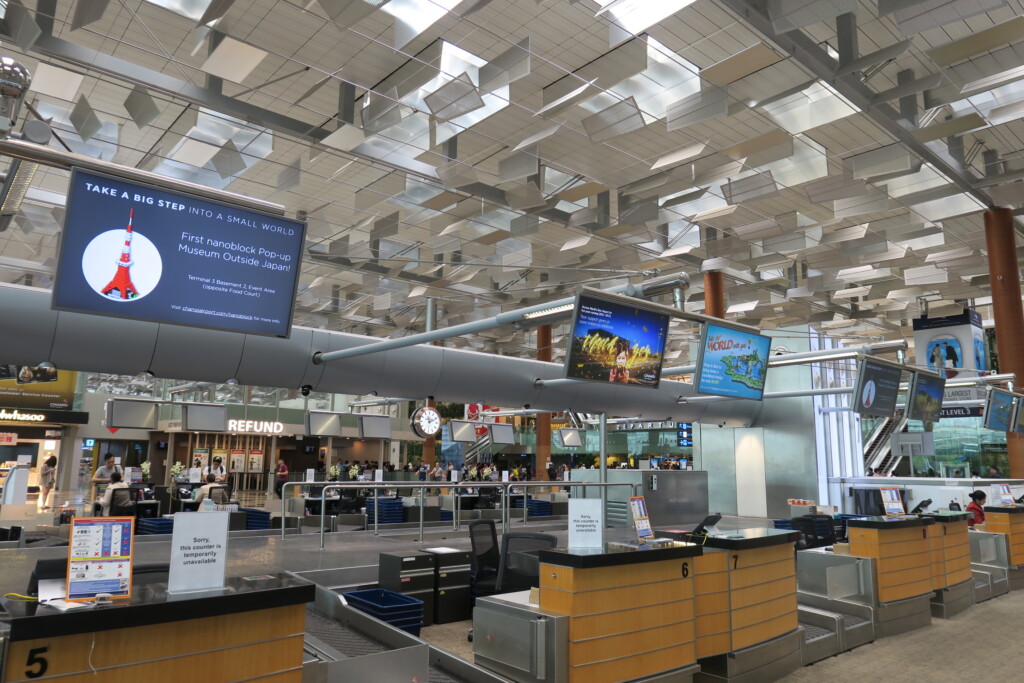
[219, 495]
[814, 535]
[513, 576]
[955, 506]
[485, 560]
[121, 503]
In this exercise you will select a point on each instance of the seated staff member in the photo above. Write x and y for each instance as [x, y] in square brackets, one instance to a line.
[217, 469]
[977, 508]
[204, 490]
[108, 495]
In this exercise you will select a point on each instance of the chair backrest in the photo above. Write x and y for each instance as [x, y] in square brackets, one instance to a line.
[219, 495]
[486, 557]
[955, 506]
[121, 502]
[511, 578]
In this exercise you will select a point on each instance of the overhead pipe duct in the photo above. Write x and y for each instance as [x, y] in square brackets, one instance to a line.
[92, 343]
[554, 310]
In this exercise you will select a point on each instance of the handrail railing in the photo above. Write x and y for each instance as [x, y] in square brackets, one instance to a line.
[505, 489]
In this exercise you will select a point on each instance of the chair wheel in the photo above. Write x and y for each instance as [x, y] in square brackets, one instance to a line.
[470, 637]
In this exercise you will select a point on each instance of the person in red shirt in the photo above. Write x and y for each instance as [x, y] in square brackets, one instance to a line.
[282, 477]
[977, 508]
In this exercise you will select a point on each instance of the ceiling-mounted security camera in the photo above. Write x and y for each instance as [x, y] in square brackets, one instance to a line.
[306, 389]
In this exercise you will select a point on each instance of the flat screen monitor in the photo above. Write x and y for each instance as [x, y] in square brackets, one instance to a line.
[463, 431]
[137, 251]
[924, 398]
[374, 427]
[502, 433]
[571, 438]
[126, 414]
[877, 388]
[613, 342]
[998, 413]
[323, 423]
[1018, 416]
[732, 362]
[204, 418]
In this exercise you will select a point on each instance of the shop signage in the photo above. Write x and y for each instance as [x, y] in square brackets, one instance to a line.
[961, 411]
[255, 426]
[8, 439]
[32, 387]
[40, 416]
[635, 426]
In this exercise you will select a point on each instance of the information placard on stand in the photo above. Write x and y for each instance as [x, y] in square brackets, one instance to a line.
[1005, 496]
[199, 548]
[642, 523]
[586, 523]
[892, 502]
[100, 558]
[310, 474]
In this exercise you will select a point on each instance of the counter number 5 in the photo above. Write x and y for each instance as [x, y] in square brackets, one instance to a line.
[36, 662]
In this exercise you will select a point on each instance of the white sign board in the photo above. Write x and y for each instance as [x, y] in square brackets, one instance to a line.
[311, 474]
[199, 550]
[504, 475]
[195, 475]
[586, 523]
[378, 475]
[455, 475]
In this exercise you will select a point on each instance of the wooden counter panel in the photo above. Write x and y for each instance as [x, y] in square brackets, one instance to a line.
[615, 599]
[881, 536]
[770, 590]
[708, 624]
[711, 603]
[895, 564]
[916, 547]
[716, 644]
[627, 644]
[765, 611]
[625, 621]
[118, 647]
[712, 561]
[636, 666]
[742, 559]
[758, 633]
[950, 554]
[896, 578]
[235, 664]
[711, 583]
[744, 578]
[600, 578]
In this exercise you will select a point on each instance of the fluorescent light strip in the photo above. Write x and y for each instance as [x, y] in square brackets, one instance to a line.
[564, 308]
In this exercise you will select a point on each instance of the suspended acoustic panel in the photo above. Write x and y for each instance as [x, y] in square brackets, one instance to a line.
[141, 107]
[611, 122]
[930, 14]
[790, 15]
[707, 104]
[453, 99]
[506, 68]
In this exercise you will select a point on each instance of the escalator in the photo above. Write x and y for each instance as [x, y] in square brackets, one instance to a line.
[878, 453]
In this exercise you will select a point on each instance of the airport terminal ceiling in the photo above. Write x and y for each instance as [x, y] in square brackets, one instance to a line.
[495, 154]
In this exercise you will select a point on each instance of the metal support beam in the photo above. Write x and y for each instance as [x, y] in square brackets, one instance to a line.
[807, 53]
[846, 36]
[603, 453]
[908, 103]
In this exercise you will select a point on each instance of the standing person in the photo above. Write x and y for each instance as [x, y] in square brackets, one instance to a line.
[994, 473]
[977, 508]
[952, 358]
[869, 472]
[47, 478]
[321, 464]
[550, 467]
[421, 474]
[282, 477]
[217, 469]
[103, 473]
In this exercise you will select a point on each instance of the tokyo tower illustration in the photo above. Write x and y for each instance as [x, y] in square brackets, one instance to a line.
[122, 281]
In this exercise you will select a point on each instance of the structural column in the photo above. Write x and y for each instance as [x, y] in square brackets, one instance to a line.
[430, 323]
[714, 294]
[1007, 310]
[543, 419]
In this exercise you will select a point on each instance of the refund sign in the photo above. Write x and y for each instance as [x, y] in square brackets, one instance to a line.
[199, 547]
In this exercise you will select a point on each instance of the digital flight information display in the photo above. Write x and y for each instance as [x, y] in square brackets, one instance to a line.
[133, 250]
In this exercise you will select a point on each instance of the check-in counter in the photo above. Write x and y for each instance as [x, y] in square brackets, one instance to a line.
[630, 609]
[746, 607]
[1009, 521]
[949, 554]
[900, 549]
[253, 629]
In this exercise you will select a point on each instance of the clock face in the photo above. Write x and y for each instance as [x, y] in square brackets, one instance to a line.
[426, 422]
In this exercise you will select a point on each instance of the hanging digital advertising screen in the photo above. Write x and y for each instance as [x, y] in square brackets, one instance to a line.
[999, 407]
[137, 251]
[877, 388]
[732, 362]
[616, 343]
[924, 397]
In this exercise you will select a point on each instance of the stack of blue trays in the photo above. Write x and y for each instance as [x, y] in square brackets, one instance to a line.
[399, 610]
[447, 515]
[154, 525]
[256, 518]
[783, 523]
[390, 511]
[535, 508]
